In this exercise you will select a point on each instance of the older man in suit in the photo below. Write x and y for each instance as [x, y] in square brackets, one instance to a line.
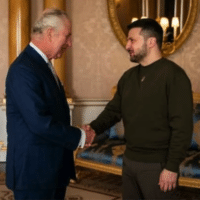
[40, 138]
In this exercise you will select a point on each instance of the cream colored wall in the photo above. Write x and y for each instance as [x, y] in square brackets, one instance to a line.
[97, 60]
[3, 44]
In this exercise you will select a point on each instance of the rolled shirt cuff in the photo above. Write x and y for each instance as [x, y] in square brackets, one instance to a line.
[83, 138]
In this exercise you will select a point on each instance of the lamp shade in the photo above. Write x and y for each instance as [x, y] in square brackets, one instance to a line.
[134, 19]
[175, 22]
[164, 22]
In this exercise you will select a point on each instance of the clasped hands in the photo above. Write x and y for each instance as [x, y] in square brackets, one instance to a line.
[90, 135]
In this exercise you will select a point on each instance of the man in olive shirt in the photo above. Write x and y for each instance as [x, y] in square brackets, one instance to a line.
[154, 100]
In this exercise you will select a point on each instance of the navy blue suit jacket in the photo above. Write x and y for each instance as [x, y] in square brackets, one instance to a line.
[40, 138]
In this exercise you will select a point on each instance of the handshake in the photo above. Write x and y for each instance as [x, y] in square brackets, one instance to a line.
[90, 135]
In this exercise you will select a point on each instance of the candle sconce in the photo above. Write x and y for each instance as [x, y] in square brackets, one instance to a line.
[169, 44]
[175, 35]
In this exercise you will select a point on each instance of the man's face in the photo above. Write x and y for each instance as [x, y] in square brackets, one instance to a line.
[136, 45]
[61, 40]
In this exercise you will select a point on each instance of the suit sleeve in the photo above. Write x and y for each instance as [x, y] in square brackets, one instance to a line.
[26, 91]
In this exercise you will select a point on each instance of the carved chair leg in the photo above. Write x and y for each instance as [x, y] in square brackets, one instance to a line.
[78, 176]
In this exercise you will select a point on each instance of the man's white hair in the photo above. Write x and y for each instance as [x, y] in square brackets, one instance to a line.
[50, 18]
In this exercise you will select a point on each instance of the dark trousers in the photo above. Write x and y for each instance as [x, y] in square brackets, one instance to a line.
[50, 194]
[140, 181]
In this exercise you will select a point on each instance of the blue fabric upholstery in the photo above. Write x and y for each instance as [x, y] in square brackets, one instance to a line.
[112, 133]
[195, 142]
[105, 151]
[194, 145]
[190, 167]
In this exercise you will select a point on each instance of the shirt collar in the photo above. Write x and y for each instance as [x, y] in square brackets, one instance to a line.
[39, 52]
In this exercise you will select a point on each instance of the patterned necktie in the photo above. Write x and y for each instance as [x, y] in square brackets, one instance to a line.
[54, 73]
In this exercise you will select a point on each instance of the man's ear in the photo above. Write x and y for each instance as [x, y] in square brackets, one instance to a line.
[151, 42]
[49, 33]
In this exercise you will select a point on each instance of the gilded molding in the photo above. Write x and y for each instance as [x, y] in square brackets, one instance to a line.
[115, 22]
[98, 166]
[19, 27]
[196, 97]
[189, 182]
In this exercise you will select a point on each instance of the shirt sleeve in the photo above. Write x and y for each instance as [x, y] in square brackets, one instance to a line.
[83, 138]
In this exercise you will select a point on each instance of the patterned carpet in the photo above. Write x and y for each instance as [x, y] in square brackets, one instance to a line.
[100, 182]
[89, 181]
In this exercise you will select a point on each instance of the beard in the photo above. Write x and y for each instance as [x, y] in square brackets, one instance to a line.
[140, 55]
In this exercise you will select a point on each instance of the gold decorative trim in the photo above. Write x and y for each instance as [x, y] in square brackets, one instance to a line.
[196, 97]
[19, 27]
[167, 49]
[98, 166]
[115, 22]
[70, 100]
[189, 182]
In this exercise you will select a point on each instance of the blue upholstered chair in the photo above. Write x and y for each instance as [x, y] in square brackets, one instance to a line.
[105, 154]
[190, 167]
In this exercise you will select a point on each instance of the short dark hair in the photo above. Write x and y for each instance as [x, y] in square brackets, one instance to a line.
[150, 28]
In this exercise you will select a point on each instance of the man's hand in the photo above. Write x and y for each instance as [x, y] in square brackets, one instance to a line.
[168, 180]
[90, 135]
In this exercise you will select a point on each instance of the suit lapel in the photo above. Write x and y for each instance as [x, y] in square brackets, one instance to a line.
[40, 64]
